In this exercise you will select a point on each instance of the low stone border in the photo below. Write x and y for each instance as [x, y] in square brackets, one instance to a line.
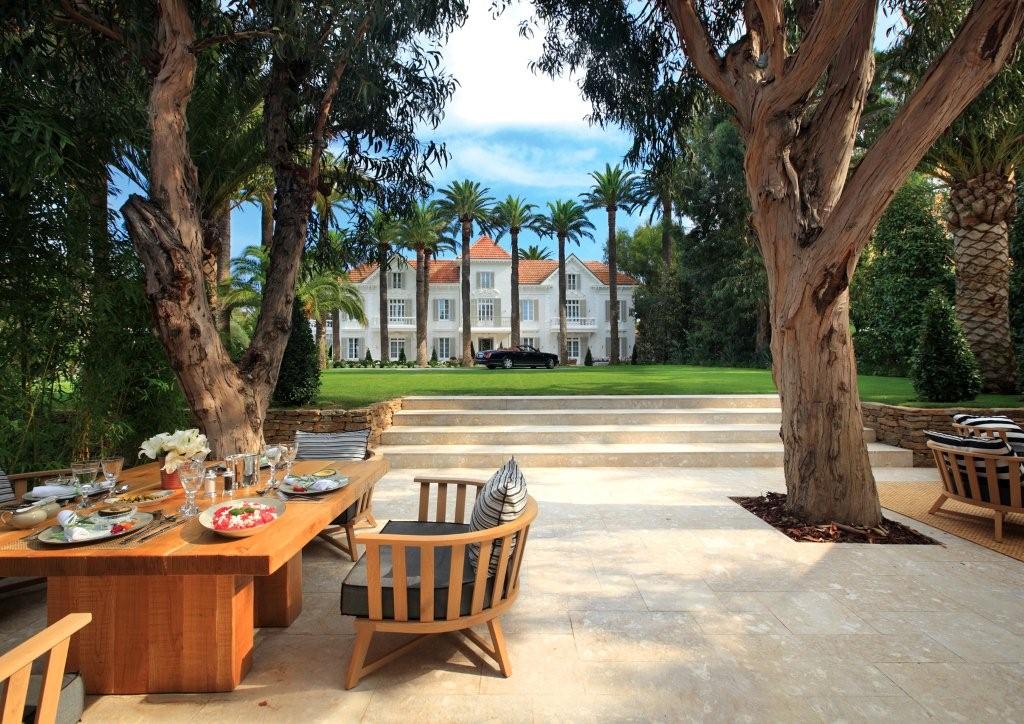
[281, 424]
[905, 426]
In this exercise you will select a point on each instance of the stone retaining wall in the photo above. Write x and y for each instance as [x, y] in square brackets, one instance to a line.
[905, 426]
[281, 424]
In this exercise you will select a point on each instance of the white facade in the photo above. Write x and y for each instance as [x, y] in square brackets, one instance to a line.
[587, 307]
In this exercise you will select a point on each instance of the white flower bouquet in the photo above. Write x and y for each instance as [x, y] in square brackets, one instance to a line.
[176, 448]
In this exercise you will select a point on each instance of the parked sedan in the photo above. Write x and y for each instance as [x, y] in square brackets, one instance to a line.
[522, 356]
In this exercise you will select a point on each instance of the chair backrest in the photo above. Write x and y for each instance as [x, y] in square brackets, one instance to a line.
[984, 477]
[6, 489]
[349, 445]
[16, 668]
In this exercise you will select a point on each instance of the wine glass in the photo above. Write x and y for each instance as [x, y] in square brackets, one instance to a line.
[84, 473]
[273, 455]
[191, 476]
[288, 453]
[111, 470]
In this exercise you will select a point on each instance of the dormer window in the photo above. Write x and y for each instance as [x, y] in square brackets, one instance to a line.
[397, 279]
[572, 282]
[485, 280]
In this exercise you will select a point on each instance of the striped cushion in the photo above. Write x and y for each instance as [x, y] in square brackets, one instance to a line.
[6, 489]
[1013, 432]
[984, 445]
[331, 445]
[501, 500]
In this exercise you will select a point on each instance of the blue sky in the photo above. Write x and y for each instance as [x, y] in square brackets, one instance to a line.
[515, 132]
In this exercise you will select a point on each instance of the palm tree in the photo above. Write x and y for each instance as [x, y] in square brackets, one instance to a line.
[613, 189]
[320, 292]
[535, 253]
[567, 221]
[467, 202]
[658, 187]
[383, 233]
[423, 230]
[514, 214]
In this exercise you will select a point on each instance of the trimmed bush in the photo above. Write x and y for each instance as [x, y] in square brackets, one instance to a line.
[635, 357]
[368, 359]
[588, 360]
[944, 368]
[433, 356]
[298, 382]
[401, 356]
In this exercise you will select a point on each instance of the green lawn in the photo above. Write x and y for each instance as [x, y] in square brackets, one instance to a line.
[356, 387]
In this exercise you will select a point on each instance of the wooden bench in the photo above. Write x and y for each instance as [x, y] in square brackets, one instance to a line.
[403, 585]
[973, 478]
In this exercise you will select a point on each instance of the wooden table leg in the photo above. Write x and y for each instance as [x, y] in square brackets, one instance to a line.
[279, 595]
[157, 634]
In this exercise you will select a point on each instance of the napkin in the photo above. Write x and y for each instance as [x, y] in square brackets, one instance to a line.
[310, 482]
[46, 491]
[78, 533]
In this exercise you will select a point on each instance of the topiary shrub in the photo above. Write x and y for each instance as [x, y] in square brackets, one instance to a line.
[635, 357]
[401, 356]
[298, 382]
[588, 359]
[944, 368]
[368, 359]
[433, 356]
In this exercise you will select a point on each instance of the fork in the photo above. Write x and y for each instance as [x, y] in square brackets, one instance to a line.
[158, 519]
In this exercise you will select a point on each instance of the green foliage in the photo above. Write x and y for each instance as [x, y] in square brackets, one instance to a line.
[298, 382]
[909, 256]
[433, 356]
[944, 368]
[535, 252]
[368, 359]
[401, 356]
[634, 358]
[588, 359]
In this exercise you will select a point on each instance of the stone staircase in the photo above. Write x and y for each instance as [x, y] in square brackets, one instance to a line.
[704, 431]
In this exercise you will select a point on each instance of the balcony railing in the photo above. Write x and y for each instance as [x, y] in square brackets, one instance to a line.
[490, 322]
[401, 321]
[576, 322]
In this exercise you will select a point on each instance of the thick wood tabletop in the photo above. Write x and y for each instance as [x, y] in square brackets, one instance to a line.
[191, 549]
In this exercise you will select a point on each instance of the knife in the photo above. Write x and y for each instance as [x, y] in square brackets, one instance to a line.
[161, 531]
[129, 537]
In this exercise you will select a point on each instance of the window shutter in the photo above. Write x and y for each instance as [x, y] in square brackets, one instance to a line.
[608, 309]
[455, 310]
[497, 311]
[583, 308]
[435, 305]
[622, 309]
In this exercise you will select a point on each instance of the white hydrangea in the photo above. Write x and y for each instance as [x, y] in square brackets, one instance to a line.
[179, 447]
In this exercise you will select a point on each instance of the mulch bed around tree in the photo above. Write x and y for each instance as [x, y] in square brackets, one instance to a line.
[771, 508]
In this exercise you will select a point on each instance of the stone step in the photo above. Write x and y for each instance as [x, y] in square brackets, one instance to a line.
[589, 402]
[702, 455]
[636, 418]
[573, 434]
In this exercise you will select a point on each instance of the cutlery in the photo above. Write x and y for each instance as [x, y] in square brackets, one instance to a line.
[158, 518]
[161, 531]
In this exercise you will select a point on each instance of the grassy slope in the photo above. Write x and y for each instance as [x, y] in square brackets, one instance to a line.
[356, 387]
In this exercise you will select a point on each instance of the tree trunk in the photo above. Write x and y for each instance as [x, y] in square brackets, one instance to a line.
[320, 329]
[421, 309]
[563, 327]
[382, 278]
[979, 216]
[613, 289]
[267, 221]
[336, 335]
[467, 325]
[224, 265]
[666, 232]
[514, 298]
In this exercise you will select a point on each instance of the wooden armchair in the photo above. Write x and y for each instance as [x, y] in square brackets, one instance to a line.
[417, 577]
[46, 696]
[986, 480]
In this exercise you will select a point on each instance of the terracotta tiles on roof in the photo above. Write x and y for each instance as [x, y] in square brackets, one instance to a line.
[487, 248]
[600, 271]
[535, 271]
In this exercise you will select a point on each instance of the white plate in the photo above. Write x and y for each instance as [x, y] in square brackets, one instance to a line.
[288, 488]
[206, 517]
[60, 492]
[155, 496]
[54, 535]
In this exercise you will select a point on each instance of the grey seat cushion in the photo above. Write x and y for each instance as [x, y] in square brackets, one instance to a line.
[346, 515]
[354, 589]
[70, 705]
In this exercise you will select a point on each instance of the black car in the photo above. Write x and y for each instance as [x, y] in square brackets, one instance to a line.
[522, 356]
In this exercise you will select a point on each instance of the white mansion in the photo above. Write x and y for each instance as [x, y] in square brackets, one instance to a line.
[490, 290]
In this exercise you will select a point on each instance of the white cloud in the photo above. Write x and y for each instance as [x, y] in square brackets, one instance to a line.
[521, 164]
[497, 89]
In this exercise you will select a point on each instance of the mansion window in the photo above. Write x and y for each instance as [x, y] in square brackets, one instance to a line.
[443, 309]
[396, 309]
[529, 342]
[573, 346]
[443, 347]
[397, 347]
[572, 282]
[485, 280]
[485, 310]
[572, 309]
[397, 280]
[352, 348]
[623, 349]
[528, 310]
[608, 310]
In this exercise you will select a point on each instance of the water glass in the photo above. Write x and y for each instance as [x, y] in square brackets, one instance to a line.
[112, 470]
[191, 476]
[84, 474]
[273, 455]
[288, 453]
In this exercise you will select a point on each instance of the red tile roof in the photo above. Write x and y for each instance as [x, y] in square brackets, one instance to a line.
[487, 248]
[535, 271]
[600, 271]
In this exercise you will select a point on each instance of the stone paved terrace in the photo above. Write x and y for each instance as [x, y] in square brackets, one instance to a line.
[649, 595]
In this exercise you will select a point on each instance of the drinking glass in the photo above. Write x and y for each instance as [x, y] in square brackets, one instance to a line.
[84, 473]
[288, 453]
[112, 470]
[191, 476]
[273, 455]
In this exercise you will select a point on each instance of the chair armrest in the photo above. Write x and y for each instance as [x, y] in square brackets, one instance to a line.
[441, 508]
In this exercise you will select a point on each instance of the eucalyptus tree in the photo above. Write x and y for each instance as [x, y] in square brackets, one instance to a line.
[976, 159]
[423, 229]
[567, 221]
[613, 189]
[513, 215]
[535, 253]
[467, 202]
[381, 61]
[795, 77]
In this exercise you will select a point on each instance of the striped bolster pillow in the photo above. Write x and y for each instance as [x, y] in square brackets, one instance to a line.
[331, 445]
[1013, 432]
[501, 500]
[983, 445]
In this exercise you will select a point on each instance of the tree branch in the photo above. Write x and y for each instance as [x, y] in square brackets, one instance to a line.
[772, 18]
[804, 68]
[697, 45]
[90, 22]
[230, 38]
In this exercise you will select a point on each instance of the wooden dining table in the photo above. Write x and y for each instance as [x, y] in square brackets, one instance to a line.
[177, 613]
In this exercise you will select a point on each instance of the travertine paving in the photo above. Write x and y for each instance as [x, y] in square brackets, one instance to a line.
[649, 595]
